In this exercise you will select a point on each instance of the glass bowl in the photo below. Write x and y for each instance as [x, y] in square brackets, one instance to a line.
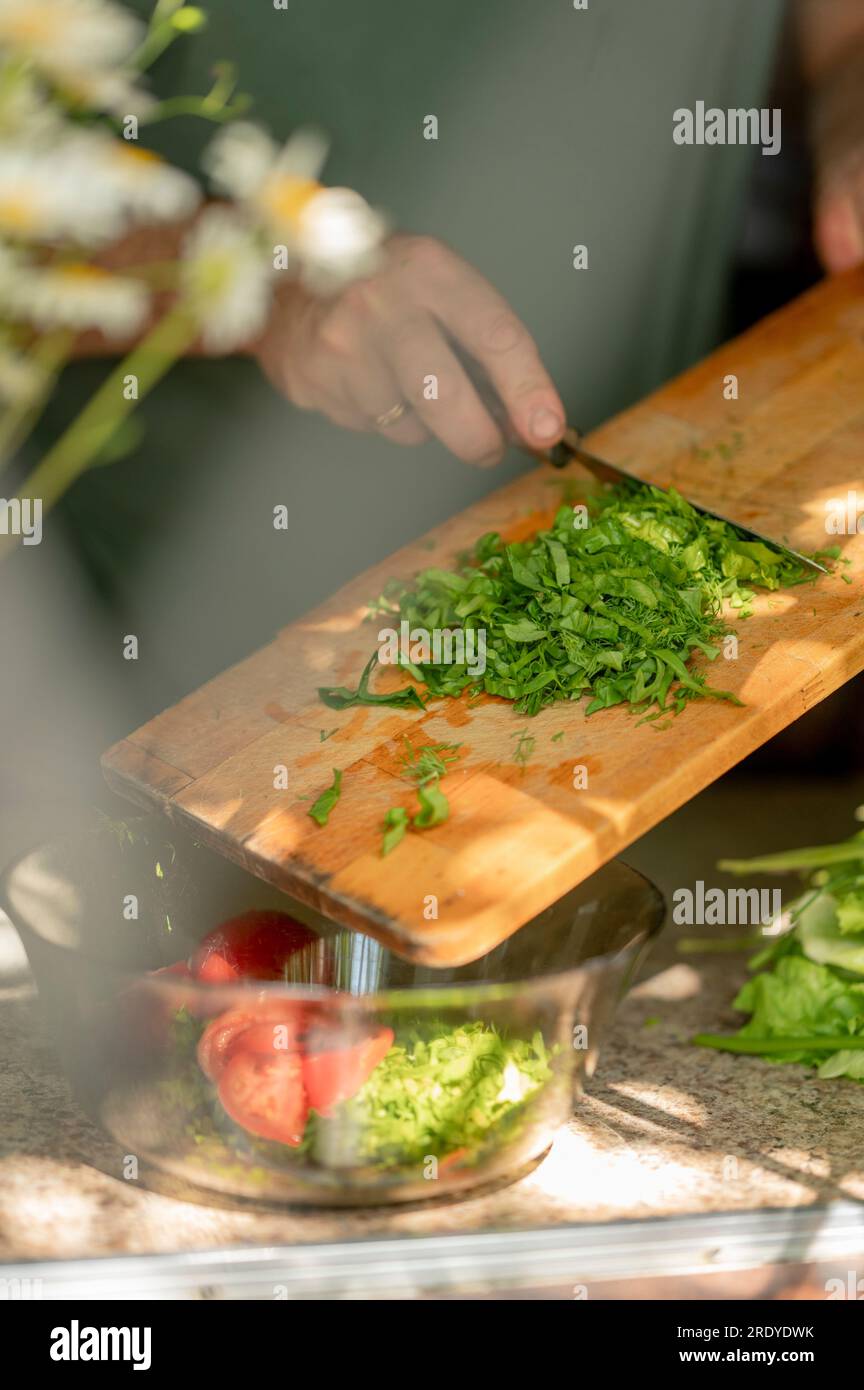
[355, 1076]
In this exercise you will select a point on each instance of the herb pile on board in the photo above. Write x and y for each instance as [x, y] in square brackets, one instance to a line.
[609, 604]
[806, 1001]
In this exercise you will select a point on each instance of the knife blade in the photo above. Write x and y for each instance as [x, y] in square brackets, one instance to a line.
[570, 448]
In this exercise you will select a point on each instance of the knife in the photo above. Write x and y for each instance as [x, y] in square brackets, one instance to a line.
[570, 449]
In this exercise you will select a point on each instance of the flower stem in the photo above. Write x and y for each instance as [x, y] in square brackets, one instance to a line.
[106, 410]
[50, 354]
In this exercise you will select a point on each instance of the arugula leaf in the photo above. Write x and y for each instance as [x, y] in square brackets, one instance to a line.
[809, 1001]
[320, 812]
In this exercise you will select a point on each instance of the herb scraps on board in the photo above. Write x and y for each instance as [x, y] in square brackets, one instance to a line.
[320, 812]
[806, 999]
[424, 766]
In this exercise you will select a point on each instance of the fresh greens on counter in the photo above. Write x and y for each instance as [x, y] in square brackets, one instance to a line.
[806, 1004]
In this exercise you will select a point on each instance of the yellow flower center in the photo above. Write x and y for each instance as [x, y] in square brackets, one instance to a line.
[284, 197]
[80, 271]
[138, 156]
[33, 28]
[16, 214]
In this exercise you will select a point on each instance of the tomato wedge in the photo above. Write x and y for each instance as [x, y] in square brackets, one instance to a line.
[253, 946]
[270, 1028]
[334, 1074]
[264, 1094]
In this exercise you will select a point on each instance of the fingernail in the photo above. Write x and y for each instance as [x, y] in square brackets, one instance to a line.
[545, 424]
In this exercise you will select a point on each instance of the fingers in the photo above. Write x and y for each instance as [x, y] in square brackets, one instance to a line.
[432, 380]
[475, 313]
[384, 342]
[374, 391]
[839, 229]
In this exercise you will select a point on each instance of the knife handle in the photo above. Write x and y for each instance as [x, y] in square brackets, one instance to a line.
[558, 456]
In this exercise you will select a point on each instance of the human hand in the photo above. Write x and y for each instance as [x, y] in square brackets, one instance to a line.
[837, 125]
[378, 355]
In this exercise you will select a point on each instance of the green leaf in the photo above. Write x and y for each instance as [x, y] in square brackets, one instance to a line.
[823, 940]
[395, 825]
[341, 697]
[320, 812]
[524, 631]
[434, 806]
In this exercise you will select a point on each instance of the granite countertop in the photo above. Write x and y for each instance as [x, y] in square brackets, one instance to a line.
[665, 1128]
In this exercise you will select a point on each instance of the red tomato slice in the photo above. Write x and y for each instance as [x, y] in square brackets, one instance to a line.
[337, 1074]
[253, 946]
[264, 1094]
[272, 1028]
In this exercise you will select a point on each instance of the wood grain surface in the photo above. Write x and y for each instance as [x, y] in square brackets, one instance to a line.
[519, 836]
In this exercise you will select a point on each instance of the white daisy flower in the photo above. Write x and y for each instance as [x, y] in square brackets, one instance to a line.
[332, 233]
[87, 188]
[69, 40]
[338, 237]
[243, 161]
[113, 92]
[50, 194]
[149, 189]
[79, 297]
[25, 111]
[227, 279]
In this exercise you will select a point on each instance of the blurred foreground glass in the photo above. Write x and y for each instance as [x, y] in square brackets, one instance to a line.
[473, 1069]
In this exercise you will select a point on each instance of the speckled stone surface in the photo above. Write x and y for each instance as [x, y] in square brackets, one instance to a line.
[665, 1127]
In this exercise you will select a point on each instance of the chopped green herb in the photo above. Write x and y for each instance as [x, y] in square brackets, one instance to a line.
[425, 764]
[395, 825]
[320, 812]
[324, 734]
[434, 806]
[524, 748]
[612, 611]
[441, 1089]
[556, 738]
[340, 697]
[424, 767]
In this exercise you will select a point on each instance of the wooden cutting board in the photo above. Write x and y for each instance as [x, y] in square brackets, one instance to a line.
[520, 834]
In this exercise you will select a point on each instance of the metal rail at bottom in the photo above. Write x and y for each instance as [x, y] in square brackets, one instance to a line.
[537, 1263]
